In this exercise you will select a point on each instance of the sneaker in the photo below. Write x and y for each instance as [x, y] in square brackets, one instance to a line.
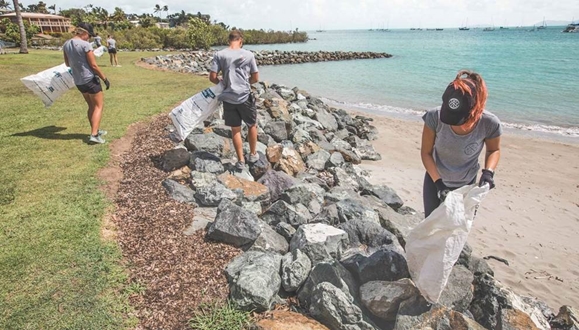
[239, 167]
[96, 139]
[253, 157]
[102, 132]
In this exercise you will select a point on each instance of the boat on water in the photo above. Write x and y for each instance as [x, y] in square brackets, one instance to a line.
[542, 26]
[572, 28]
[489, 29]
[438, 29]
[464, 27]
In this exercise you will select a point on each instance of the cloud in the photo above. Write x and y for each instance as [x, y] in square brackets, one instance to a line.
[356, 14]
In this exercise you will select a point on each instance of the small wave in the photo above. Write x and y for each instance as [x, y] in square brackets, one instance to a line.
[572, 132]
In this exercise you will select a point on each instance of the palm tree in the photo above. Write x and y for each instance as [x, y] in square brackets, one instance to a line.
[4, 4]
[53, 7]
[157, 9]
[165, 9]
[23, 41]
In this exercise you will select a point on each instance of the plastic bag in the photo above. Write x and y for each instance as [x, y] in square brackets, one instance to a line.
[434, 245]
[50, 84]
[195, 110]
[98, 52]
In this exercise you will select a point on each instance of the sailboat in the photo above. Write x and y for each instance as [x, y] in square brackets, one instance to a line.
[542, 27]
[465, 27]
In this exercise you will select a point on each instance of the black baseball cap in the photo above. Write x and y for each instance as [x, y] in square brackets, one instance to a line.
[87, 27]
[457, 105]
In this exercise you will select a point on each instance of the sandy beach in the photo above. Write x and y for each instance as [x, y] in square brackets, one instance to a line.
[531, 219]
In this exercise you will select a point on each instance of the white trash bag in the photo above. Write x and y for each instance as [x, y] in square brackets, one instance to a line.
[193, 111]
[98, 52]
[434, 245]
[50, 84]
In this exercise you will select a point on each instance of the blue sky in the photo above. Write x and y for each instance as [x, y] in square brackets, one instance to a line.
[357, 14]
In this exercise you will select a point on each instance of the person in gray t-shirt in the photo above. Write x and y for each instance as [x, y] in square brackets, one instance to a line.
[453, 138]
[112, 50]
[239, 71]
[98, 40]
[78, 55]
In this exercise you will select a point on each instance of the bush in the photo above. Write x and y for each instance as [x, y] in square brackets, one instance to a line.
[12, 32]
[177, 38]
[137, 38]
[199, 34]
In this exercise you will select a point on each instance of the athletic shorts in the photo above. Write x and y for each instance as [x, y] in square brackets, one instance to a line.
[233, 114]
[112, 50]
[92, 87]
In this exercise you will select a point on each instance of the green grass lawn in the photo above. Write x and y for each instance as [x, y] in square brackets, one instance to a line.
[55, 270]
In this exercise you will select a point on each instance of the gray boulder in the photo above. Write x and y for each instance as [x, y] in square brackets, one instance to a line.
[383, 298]
[174, 159]
[259, 168]
[335, 160]
[338, 193]
[332, 272]
[234, 225]
[318, 160]
[414, 315]
[202, 179]
[295, 268]
[344, 179]
[396, 223]
[458, 292]
[328, 215]
[350, 209]
[308, 194]
[281, 211]
[202, 161]
[254, 280]
[286, 230]
[384, 193]
[386, 263]
[222, 130]
[277, 129]
[209, 142]
[270, 240]
[336, 309]
[179, 192]
[277, 182]
[367, 233]
[319, 242]
[479, 267]
[213, 194]
[327, 120]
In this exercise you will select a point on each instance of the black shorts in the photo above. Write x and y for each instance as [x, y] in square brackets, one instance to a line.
[92, 87]
[233, 114]
[112, 50]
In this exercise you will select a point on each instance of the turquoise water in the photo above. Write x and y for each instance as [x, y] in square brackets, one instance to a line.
[532, 77]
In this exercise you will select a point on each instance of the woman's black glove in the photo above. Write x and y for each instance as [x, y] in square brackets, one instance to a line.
[487, 177]
[441, 189]
[107, 83]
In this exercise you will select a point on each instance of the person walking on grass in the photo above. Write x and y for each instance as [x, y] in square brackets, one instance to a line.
[453, 138]
[112, 50]
[239, 71]
[98, 40]
[78, 55]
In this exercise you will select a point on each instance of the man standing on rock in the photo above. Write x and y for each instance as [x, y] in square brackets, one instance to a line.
[239, 70]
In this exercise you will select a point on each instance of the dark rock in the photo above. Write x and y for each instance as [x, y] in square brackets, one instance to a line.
[222, 130]
[174, 159]
[386, 194]
[307, 194]
[328, 215]
[270, 241]
[254, 280]
[251, 191]
[386, 263]
[465, 256]
[202, 179]
[335, 160]
[479, 267]
[281, 211]
[397, 224]
[277, 129]
[286, 230]
[259, 168]
[567, 319]
[179, 192]
[367, 233]
[327, 120]
[202, 161]
[234, 225]
[350, 209]
[295, 268]
[277, 182]
[336, 309]
[458, 292]
[332, 272]
[339, 193]
[318, 160]
[344, 179]
[435, 317]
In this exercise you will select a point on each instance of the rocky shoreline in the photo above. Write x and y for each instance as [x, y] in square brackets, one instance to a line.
[314, 228]
[199, 62]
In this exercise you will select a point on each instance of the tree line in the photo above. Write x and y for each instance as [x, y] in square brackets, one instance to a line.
[144, 31]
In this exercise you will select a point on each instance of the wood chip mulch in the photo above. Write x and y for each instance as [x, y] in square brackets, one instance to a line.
[177, 272]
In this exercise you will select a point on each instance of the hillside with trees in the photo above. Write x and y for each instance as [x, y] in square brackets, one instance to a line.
[157, 29]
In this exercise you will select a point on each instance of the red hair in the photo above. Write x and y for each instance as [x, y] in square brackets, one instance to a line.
[465, 80]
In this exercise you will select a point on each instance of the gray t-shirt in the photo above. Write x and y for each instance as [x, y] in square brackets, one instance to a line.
[112, 43]
[237, 66]
[98, 41]
[456, 156]
[76, 50]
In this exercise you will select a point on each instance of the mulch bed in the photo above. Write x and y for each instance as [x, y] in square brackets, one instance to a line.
[179, 272]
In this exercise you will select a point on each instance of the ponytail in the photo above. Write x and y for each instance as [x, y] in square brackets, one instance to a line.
[467, 80]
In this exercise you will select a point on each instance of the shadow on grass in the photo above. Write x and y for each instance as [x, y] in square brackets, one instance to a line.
[53, 133]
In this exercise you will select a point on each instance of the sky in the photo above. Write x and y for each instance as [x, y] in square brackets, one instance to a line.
[310, 15]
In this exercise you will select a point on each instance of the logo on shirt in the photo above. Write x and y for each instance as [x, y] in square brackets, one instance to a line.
[454, 103]
[471, 149]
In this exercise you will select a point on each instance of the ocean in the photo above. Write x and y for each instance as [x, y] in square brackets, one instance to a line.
[532, 77]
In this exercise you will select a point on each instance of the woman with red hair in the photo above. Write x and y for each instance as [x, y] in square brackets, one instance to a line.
[453, 138]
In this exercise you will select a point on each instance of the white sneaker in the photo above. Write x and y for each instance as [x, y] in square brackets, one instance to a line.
[102, 132]
[96, 139]
[253, 158]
